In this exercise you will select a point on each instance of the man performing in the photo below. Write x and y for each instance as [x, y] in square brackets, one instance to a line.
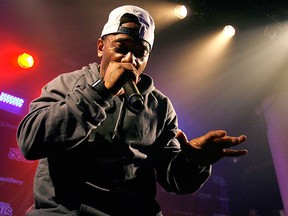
[104, 135]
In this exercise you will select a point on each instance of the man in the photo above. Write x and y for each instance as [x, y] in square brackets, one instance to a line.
[98, 153]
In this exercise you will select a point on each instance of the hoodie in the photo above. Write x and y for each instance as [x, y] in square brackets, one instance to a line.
[98, 153]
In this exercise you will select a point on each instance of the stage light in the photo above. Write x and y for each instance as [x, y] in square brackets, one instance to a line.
[180, 11]
[25, 60]
[229, 31]
[12, 100]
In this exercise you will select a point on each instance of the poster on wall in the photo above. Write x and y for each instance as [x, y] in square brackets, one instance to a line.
[16, 173]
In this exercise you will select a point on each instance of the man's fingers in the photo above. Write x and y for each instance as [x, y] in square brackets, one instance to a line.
[242, 138]
[229, 141]
[215, 134]
[181, 137]
[234, 153]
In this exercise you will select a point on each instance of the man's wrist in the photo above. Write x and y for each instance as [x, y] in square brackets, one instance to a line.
[101, 89]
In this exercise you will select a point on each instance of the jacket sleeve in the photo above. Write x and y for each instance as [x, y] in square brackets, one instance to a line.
[174, 172]
[185, 177]
[61, 118]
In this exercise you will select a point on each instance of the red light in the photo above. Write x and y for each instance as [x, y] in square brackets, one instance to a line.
[25, 60]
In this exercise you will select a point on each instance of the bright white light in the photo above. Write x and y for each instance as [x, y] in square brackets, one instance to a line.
[229, 31]
[180, 11]
[10, 99]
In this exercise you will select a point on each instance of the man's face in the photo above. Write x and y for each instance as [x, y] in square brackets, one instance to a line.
[123, 48]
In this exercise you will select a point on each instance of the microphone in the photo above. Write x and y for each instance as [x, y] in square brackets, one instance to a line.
[133, 96]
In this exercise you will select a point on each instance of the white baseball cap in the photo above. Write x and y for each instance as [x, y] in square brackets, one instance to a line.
[146, 30]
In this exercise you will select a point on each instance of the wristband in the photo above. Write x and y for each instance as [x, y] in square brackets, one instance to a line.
[100, 88]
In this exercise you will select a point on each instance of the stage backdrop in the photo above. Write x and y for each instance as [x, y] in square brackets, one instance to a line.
[16, 182]
[16, 173]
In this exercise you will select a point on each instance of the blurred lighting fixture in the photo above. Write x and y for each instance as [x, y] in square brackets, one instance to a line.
[180, 11]
[10, 99]
[25, 60]
[229, 31]
[270, 32]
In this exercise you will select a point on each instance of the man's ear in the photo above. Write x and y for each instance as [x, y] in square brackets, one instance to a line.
[100, 47]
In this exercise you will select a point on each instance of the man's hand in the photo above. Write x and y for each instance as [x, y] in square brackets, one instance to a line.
[117, 75]
[211, 147]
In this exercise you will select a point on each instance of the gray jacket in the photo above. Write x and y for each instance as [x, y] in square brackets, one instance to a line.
[98, 153]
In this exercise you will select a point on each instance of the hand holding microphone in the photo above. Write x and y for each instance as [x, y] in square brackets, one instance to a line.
[133, 96]
[122, 75]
